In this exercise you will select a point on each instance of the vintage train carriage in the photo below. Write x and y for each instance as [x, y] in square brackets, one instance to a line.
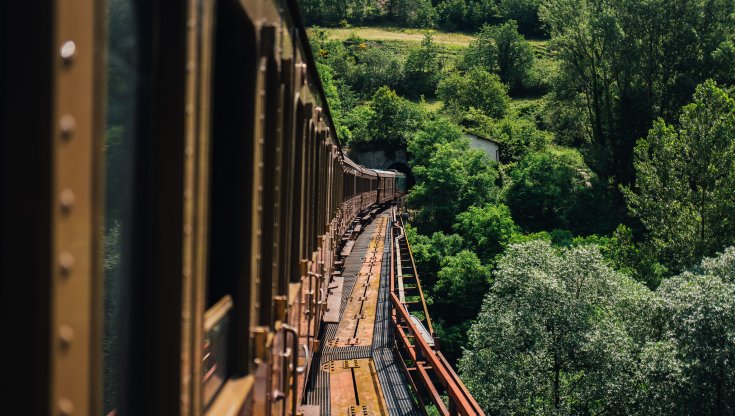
[179, 265]
[391, 185]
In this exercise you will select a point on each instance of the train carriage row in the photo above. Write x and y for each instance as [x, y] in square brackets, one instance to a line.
[184, 197]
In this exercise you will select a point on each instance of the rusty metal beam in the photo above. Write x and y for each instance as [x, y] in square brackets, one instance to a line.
[457, 379]
[404, 340]
[456, 393]
[436, 398]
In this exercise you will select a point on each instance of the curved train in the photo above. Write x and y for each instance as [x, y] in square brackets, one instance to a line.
[183, 197]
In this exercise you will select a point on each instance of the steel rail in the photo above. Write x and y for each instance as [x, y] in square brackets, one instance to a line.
[418, 281]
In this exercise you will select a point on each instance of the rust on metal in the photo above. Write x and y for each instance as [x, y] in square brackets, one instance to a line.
[362, 305]
[355, 388]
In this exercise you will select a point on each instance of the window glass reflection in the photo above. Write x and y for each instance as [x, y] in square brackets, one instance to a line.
[118, 155]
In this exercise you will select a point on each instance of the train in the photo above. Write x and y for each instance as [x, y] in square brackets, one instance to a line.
[174, 199]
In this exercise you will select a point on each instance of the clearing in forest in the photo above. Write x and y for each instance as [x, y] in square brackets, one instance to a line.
[452, 39]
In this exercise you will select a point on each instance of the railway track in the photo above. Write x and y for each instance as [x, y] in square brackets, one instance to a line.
[351, 373]
[377, 354]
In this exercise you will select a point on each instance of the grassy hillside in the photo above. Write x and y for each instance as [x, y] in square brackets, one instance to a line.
[448, 39]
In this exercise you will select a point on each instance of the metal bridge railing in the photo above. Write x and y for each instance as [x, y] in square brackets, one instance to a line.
[430, 370]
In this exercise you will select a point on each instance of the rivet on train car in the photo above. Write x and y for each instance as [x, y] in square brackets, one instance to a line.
[66, 407]
[66, 198]
[66, 262]
[67, 125]
[189, 151]
[190, 67]
[68, 50]
[66, 335]
[189, 109]
[187, 229]
[187, 194]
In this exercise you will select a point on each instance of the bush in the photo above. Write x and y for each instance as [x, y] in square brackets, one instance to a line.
[422, 69]
[525, 12]
[377, 67]
[555, 189]
[487, 229]
[452, 13]
[518, 137]
[386, 122]
[476, 88]
[503, 50]
[453, 179]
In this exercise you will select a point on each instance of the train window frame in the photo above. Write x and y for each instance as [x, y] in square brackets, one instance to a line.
[239, 382]
[51, 182]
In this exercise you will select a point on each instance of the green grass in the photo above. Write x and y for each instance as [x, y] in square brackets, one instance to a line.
[401, 40]
[431, 104]
[449, 39]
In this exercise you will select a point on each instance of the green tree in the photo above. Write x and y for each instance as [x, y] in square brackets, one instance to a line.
[386, 122]
[452, 337]
[517, 137]
[422, 69]
[461, 284]
[376, 67]
[453, 179]
[503, 50]
[697, 317]
[488, 230]
[525, 12]
[413, 13]
[685, 186]
[551, 335]
[480, 12]
[323, 12]
[626, 72]
[422, 145]
[334, 100]
[452, 13]
[362, 11]
[555, 189]
[428, 253]
[634, 258]
[476, 88]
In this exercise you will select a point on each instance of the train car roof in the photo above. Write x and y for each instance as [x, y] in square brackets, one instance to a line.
[391, 172]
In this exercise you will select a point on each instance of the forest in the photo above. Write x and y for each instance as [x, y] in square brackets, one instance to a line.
[590, 270]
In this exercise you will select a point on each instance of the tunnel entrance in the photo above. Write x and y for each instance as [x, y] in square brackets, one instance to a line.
[405, 169]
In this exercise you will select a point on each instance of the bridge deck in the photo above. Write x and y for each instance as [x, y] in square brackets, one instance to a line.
[357, 372]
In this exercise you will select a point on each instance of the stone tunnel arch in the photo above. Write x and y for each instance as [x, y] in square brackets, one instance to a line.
[385, 159]
[405, 169]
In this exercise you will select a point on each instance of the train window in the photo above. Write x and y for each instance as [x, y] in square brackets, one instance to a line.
[297, 190]
[286, 175]
[121, 82]
[270, 174]
[228, 277]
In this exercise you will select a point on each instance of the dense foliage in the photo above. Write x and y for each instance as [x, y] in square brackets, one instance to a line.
[685, 180]
[449, 14]
[554, 188]
[563, 333]
[503, 50]
[621, 72]
[478, 89]
[580, 273]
